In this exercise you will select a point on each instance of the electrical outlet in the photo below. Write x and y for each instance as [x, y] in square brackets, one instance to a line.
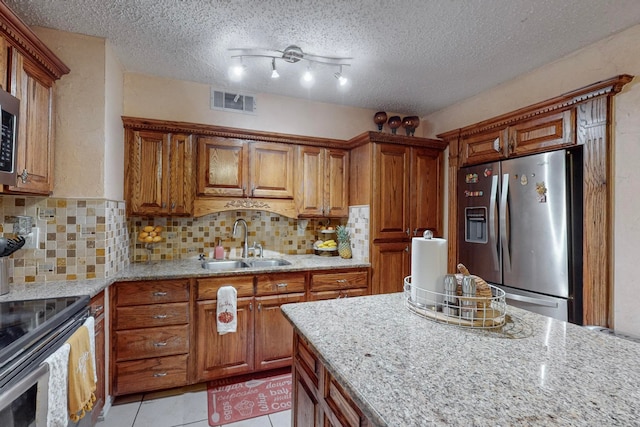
[43, 268]
[46, 213]
[87, 232]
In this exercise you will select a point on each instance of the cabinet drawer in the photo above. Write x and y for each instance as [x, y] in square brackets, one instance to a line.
[150, 374]
[208, 288]
[337, 281]
[145, 316]
[307, 361]
[283, 283]
[343, 293]
[342, 407]
[151, 292]
[156, 342]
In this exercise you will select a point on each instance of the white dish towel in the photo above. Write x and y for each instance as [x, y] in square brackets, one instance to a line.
[226, 313]
[57, 412]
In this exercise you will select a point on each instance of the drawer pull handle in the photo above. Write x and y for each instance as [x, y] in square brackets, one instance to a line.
[160, 344]
[259, 306]
[159, 294]
[160, 316]
[282, 285]
[98, 309]
[160, 374]
[342, 280]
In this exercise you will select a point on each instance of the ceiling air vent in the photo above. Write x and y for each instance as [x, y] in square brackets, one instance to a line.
[227, 101]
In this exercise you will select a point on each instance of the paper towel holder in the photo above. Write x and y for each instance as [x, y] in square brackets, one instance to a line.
[428, 234]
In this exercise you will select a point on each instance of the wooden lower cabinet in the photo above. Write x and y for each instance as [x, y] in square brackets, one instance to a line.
[150, 335]
[223, 355]
[318, 399]
[391, 264]
[339, 284]
[97, 307]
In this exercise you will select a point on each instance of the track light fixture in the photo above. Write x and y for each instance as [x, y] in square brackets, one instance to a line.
[291, 54]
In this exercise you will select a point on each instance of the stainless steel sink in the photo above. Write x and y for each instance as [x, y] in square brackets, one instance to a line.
[262, 263]
[224, 264]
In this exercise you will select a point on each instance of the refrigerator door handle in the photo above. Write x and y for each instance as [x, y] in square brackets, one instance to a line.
[536, 301]
[492, 223]
[504, 210]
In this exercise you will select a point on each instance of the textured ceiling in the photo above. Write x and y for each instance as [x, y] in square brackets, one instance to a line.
[411, 57]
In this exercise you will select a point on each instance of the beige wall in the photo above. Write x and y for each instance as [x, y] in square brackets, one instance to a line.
[80, 114]
[619, 54]
[166, 99]
[114, 147]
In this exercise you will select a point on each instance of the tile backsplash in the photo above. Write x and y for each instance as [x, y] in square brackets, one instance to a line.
[92, 238]
[78, 238]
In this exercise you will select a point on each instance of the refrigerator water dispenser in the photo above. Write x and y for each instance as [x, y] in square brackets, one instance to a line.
[475, 225]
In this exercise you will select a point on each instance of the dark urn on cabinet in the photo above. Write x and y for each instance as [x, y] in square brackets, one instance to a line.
[394, 123]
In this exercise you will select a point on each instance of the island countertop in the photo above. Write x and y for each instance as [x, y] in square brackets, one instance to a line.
[405, 370]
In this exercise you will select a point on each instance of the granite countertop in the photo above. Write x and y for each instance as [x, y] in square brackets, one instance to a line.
[177, 269]
[405, 370]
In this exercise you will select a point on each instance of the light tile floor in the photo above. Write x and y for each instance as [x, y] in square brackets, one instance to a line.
[175, 408]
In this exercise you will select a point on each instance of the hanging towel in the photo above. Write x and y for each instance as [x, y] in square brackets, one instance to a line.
[82, 384]
[90, 325]
[57, 415]
[226, 316]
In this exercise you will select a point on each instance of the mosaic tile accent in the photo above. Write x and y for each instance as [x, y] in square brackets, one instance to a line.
[189, 237]
[79, 239]
[358, 224]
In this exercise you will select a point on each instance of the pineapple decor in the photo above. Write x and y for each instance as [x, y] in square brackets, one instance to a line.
[344, 242]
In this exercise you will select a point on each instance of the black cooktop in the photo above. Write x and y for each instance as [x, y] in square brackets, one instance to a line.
[23, 323]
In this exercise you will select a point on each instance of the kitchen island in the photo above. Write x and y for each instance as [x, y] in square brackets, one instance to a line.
[380, 364]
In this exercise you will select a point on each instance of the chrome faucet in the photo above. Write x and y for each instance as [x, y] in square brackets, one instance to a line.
[245, 245]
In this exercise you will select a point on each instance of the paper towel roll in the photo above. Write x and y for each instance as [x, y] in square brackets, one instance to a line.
[428, 268]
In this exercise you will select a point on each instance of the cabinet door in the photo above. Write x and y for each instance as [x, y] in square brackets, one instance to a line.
[390, 216]
[426, 191]
[223, 355]
[34, 153]
[271, 169]
[273, 332]
[146, 172]
[307, 411]
[310, 181]
[543, 133]
[181, 185]
[484, 147]
[5, 63]
[336, 183]
[223, 167]
[391, 264]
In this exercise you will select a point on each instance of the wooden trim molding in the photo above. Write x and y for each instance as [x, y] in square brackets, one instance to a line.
[388, 138]
[228, 132]
[28, 44]
[593, 109]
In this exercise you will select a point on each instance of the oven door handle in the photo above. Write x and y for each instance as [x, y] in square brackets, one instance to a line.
[8, 396]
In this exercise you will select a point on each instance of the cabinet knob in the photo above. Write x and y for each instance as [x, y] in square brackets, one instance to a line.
[244, 190]
[415, 231]
[97, 310]
[24, 176]
[253, 190]
[159, 294]
[173, 205]
[160, 374]
[160, 344]
[341, 280]
[406, 249]
[259, 306]
[408, 231]
[282, 285]
[160, 316]
[250, 306]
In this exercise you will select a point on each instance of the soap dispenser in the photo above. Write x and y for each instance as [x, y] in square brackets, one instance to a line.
[219, 251]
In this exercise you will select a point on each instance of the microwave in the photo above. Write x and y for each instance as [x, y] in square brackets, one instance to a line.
[9, 111]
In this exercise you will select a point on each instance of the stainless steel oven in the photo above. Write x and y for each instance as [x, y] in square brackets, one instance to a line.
[9, 113]
[30, 331]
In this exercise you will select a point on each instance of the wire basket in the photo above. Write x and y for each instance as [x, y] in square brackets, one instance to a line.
[470, 312]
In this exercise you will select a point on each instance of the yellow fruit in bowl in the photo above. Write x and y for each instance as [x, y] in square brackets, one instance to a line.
[156, 239]
[153, 234]
[148, 239]
[158, 229]
[143, 234]
[148, 228]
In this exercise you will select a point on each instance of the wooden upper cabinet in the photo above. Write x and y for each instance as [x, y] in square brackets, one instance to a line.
[390, 215]
[484, 147]
[223, 167]
[230, 167]
[427, 191]
[322, 182]
[271, 170]
[541, 133]
[28, 70]
[159, 173]
[34, 151]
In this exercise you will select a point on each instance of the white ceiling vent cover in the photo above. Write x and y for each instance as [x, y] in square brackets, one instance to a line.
[227, 101]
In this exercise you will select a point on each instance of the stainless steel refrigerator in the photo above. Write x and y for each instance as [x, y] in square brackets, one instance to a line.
[520, 228]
